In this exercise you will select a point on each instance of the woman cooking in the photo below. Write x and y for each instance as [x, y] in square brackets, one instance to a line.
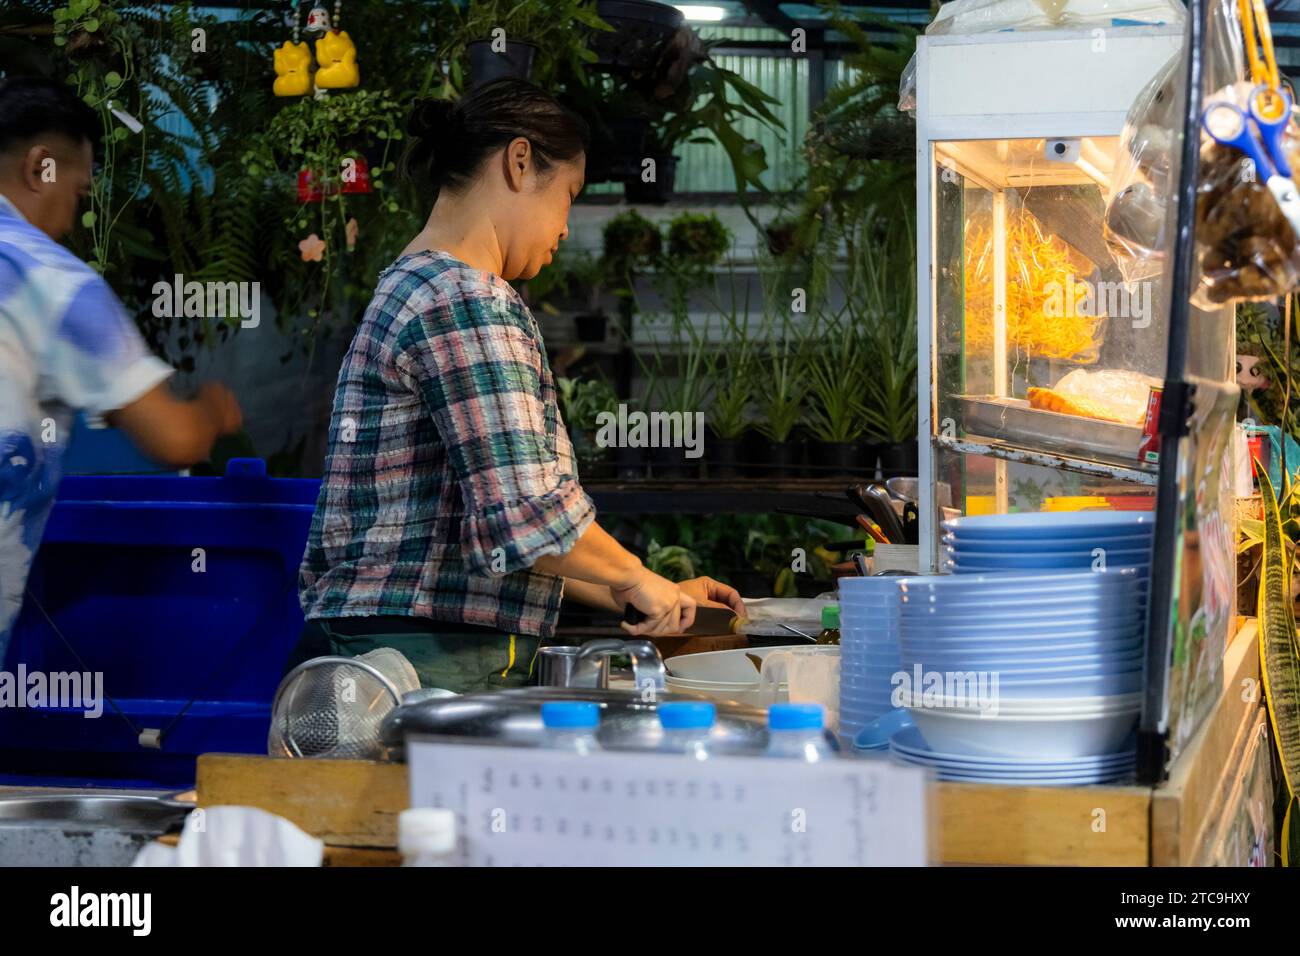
[450, 519]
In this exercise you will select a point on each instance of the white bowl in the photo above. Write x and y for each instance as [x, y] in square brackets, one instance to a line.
[733, 665]
[749, 694]
[1037, 706]
[1027, 735]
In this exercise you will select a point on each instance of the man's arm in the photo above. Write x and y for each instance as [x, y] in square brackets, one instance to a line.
[177, 432]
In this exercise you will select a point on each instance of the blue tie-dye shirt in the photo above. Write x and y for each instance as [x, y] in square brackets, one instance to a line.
[66, 345]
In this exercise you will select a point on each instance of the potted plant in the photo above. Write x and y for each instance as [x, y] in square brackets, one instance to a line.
[836, 383]
[631, 243]
[706, 106]
[780, 387]
[677, 384]
[731, 370]
[581, 403]
[527, 39]
[325, 139]
[572, 278]
[640, 30]
[885, 309]
[588, 275]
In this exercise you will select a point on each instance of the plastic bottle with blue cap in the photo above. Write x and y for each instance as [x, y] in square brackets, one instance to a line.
[796, 731]
[687, 727]
[570, 725]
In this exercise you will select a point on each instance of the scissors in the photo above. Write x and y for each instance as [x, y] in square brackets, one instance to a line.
[1258, 135]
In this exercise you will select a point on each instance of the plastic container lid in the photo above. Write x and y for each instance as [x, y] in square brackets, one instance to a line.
[426, 830]
[570, 714]
[687, 715]
[795, 717]
[831, 616]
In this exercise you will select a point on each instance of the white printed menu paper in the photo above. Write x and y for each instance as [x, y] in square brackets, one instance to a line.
[535, 807]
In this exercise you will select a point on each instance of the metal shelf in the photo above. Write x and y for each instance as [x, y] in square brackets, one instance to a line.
[989, 448]
[722, 495]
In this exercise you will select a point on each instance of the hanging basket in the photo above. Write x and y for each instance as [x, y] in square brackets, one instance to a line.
[641, 28]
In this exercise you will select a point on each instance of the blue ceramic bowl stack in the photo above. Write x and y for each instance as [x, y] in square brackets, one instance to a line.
[869, 651]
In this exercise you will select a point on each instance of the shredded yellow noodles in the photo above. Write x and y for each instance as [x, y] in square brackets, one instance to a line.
[1045, 287]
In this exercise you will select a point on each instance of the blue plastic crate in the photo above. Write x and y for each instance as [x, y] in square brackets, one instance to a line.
[116, 574]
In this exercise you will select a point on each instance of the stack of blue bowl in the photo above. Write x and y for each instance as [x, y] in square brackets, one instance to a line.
[869, 652]
[1050, 541]
[1022, 677]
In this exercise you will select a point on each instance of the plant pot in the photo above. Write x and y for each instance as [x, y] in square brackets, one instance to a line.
[781, 458]
[591, 328]
[641, 28]
[617, 149]
[755, 453]
[780, 237]
[870, 457]
[672, 463]
[360, 181]
[899, 458]
[722, 456]
[833, 458]
[630, 462]
[486, 65]
[655, 193]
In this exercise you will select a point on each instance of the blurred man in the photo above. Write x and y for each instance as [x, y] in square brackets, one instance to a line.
[66, 343]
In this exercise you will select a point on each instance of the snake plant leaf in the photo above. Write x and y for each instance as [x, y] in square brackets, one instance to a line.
[1290, 841]
[1279, 658]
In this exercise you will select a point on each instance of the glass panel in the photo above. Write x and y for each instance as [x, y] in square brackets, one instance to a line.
[1039, 342]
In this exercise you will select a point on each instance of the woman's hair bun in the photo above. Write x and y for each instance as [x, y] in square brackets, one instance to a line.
[433, 119]
[432, 136]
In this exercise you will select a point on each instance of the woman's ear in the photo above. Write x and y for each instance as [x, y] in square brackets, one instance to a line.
[518, 158]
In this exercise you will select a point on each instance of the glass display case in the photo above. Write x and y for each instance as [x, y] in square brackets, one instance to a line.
[1037, 359]
[1039, 365]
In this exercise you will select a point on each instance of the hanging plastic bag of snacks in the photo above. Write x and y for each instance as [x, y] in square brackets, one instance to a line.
[1247, 247]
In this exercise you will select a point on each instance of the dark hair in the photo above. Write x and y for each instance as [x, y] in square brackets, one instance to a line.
[33, 106]
[450, 139]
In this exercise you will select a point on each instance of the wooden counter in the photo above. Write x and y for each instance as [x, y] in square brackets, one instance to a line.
[353, 804]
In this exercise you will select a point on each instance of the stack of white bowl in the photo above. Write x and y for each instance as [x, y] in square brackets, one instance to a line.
[869, 651]
[1028, 678]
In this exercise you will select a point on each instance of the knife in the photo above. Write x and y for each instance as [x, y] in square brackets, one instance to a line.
[708, 619]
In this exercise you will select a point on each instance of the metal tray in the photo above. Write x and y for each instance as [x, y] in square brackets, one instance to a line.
[1012, 420]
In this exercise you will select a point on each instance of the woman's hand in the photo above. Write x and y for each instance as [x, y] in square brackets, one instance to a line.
[709, 591]
[668, 609]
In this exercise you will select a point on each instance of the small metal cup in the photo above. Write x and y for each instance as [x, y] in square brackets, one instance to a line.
[555, 666]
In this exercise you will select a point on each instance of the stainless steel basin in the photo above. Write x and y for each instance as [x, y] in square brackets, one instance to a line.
[513, 717]
[138, 814]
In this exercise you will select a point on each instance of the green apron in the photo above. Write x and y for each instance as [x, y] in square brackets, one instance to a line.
[464, 663]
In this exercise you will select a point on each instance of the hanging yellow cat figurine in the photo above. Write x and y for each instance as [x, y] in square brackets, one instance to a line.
[292, 69]
[337, 59]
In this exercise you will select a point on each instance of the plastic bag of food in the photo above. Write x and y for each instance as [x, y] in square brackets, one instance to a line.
[996, 16]
[1122, 393]
[1245, 247]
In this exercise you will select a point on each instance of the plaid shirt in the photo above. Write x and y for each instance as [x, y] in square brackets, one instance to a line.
[449, 470]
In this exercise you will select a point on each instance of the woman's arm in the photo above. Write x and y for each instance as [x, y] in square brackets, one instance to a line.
[592, 595]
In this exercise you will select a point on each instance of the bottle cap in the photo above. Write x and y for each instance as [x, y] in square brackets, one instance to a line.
[687, 715]
[426, 830]
[795, 717]
[831, 616]
[570, 714]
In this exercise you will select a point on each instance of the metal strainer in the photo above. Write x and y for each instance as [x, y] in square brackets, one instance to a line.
[332, 706]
